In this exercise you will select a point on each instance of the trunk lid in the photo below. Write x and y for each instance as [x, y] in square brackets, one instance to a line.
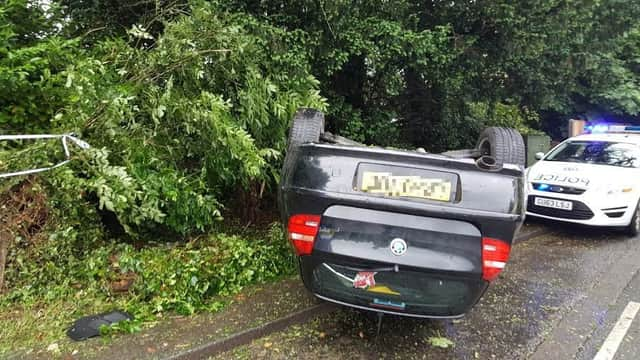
[425, 243]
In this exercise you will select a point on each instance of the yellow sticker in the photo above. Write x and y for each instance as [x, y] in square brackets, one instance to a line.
[381, 289]
[387, 184]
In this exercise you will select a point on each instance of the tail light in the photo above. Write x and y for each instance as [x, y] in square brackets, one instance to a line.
[495, 254]
[302, 231]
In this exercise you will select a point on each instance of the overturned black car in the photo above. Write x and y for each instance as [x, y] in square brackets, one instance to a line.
[401, 232]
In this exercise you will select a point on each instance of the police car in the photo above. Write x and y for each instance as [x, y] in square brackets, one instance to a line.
[591, 179]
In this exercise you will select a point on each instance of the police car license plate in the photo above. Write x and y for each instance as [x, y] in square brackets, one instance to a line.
[555, 204]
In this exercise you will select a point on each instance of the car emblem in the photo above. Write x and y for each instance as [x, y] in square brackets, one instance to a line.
[398, 246]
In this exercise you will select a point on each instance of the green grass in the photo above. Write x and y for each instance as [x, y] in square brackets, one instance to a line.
[38, 326]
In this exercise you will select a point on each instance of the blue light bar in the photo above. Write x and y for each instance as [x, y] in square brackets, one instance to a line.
[610, 128]
[599, 129]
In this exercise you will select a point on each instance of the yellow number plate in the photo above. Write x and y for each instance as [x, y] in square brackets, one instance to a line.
[387, 184]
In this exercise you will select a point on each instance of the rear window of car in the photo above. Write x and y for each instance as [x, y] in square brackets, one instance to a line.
[597, 152]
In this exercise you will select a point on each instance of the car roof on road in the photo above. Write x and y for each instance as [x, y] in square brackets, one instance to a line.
[617, 137]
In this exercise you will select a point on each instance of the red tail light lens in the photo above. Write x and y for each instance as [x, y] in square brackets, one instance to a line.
[495, 254]
[302, 231]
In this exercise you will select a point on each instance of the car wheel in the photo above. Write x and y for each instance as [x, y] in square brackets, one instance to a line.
[505, 145]
[307, 126]
[633, 229]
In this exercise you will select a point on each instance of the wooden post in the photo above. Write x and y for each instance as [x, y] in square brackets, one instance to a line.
[576, 127]
[5, 238]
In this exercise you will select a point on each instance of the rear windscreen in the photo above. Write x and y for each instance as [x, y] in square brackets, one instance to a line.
[403, 291]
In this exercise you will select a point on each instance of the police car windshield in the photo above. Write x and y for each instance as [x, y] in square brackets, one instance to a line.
[597, 152]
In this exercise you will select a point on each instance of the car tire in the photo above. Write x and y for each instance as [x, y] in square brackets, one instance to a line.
[633, 229]
[505, 145]
[307, 126]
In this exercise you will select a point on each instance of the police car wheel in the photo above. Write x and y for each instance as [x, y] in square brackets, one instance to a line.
[634, 226]
[505, 145]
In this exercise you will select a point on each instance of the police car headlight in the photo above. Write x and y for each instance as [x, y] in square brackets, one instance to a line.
[616, 190]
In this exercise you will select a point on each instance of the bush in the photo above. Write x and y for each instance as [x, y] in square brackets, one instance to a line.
[177, 128]
[184, 280]
[498, 114]
[57, 280]
[179, 277]
[31, 67]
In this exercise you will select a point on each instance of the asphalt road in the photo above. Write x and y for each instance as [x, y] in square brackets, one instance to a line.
[629, 342]
[560, 297]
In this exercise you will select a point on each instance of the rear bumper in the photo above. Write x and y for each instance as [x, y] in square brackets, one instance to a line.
[600, 222]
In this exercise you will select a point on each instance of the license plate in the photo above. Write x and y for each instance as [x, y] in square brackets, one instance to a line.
[555, 204]
[387, 184]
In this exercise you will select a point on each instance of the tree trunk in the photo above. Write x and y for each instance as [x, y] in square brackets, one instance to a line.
[250, 203]
[418, 112]
[5, 238]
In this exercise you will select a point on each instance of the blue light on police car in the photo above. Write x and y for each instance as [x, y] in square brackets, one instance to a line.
[600, 128]
[543, 187]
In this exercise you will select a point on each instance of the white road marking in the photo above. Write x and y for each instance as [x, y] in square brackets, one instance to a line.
[611, 344]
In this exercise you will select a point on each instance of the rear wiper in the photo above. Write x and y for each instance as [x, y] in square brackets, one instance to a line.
[338, 273]
[394, 268]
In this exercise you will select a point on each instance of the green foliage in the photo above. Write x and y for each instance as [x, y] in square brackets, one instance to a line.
[178, 277]
[31, 72]
[421, 63]
[175, 277]
[176, 128]
[184, 116]
[179, 123]
[185, 279]
[121, 327]
[107, 18]
[23, 23]
[483, 115]
[440, 342]
[370, 57]
[613, 75]
[187, 104]
[381, 130]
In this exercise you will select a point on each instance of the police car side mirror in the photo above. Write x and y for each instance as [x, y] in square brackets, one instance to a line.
[539, 155]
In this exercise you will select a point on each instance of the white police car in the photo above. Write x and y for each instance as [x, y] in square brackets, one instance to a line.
[591, 179]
